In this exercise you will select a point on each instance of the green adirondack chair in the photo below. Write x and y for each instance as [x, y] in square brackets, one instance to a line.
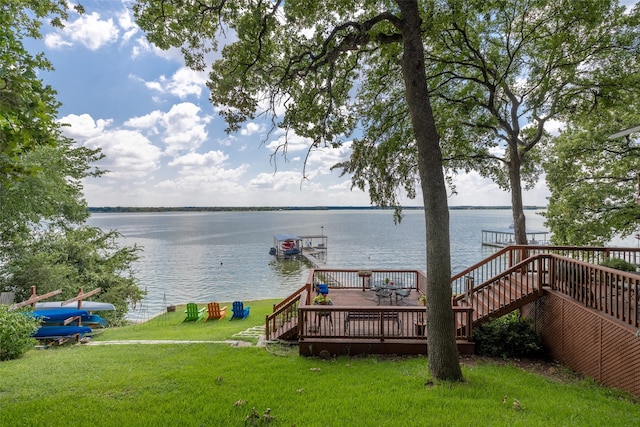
[193, 312]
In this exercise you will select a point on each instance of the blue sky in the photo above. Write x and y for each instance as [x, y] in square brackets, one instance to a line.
[164, 141]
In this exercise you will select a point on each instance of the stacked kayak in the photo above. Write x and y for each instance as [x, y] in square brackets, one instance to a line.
[62, 322]
[56, 332]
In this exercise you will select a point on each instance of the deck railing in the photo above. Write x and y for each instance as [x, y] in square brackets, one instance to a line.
[571, 271]
[610, 291]
[497, 296]
[506, 258]
[378, 323]
[285, 313]
[365, 279]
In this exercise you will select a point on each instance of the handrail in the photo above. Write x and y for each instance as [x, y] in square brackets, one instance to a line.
[284, 312]
[353, 278]
[607, 290]
[288, 299]
[508, 256]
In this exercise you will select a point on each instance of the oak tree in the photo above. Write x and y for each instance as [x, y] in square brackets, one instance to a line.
[499, 72]
[303, 64]
[503, 70]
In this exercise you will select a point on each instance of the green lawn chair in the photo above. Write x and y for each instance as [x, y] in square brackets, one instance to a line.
[193, 312]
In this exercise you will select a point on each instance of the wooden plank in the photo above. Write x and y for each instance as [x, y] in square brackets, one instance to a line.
[35, 298]
[82, 295]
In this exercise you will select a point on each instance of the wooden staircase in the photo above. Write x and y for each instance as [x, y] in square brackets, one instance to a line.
[499, 297]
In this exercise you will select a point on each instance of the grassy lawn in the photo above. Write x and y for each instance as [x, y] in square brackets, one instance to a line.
[219, 385]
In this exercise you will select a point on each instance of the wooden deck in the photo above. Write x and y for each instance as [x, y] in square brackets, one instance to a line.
[360, 321]
[587, 314]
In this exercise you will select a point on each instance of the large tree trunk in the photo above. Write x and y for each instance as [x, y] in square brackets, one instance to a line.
[517, 209]
[442, 349]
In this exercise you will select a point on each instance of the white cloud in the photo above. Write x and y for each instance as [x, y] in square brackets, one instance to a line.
[294, 143]
[252, 128]
[148, 121]
[211, 158]
[88, 30]
[182, 127]
[125, 20]
[185, 128]
[183, 83]
[128, 153]
[554, 127]
[281, 181]
[83, 126]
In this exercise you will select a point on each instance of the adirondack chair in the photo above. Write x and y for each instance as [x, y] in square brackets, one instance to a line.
[193, 312]
[215, 312]
[239, 310]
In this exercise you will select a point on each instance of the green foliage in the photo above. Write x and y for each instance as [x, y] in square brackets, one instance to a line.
[501, 71]
[44, 241]
[28, 108]
[619, 264]
[509, 336]
[16, 328]
[592, 178]
[82, 257]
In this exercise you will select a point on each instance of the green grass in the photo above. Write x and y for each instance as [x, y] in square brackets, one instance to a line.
[218, 385]
[170, 326]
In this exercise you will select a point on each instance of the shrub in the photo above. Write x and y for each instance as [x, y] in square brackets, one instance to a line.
[618, 264]
[508, 336]
[16, 328]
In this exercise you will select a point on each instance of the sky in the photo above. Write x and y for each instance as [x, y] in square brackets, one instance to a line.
[165, 143]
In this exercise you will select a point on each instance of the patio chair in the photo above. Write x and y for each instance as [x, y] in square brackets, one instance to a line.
[323, 288]
[193, 312]
[383, 293]
[215, 312]
[239, 310]
[401, 294]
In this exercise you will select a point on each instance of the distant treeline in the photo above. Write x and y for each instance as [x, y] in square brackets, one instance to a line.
[273, 208]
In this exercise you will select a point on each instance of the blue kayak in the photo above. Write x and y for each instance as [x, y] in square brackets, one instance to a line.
[53, 317]
[61, 331]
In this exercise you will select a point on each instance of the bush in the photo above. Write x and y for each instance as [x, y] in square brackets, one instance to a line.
[16, 328]
[508, 336]
[618, 264]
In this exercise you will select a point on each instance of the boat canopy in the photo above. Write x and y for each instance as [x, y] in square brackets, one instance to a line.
[284, 237]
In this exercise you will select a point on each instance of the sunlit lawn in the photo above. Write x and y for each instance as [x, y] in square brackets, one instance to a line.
[219, 385]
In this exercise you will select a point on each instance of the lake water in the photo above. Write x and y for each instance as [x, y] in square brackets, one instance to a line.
[224, 256]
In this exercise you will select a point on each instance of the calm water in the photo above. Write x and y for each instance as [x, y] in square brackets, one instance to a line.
[224, 256]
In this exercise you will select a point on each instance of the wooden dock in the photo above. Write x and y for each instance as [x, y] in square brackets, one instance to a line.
[503, 238]
[315, 258]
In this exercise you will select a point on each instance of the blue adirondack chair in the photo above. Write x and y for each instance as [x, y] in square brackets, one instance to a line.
[239, 310]
[193, 312]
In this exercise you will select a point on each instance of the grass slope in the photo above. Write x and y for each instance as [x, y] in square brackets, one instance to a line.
[218, 384]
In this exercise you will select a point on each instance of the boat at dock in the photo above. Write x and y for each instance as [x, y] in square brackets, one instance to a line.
[313, 248]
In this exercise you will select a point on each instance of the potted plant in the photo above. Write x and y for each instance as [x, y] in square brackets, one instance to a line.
[322, 299]
[423, 299]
